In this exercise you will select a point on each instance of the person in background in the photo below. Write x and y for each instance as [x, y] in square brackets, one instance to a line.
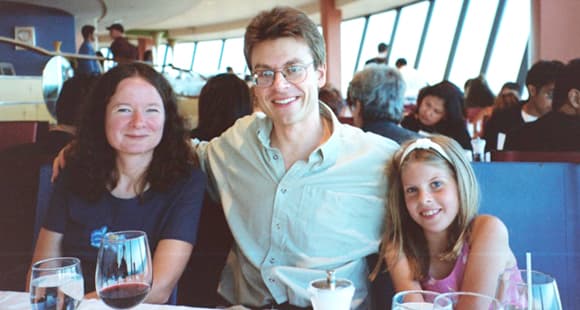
[122, 50]
[434, 239]
[89, 67]
[559, 129]
[130, 168]
[302, 193]
[383, 50]
[333, 99]
[477, 93]
[508, 97]
[478, 97]
[440, 110]
[413, 80]
[376, 97]
[540, 83]
[510, 87]
[148, 56]
[223, 99]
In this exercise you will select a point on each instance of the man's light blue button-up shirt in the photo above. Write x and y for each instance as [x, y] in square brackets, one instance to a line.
[291, 226]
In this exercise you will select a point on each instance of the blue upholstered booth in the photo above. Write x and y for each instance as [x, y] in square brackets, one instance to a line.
[540, 204]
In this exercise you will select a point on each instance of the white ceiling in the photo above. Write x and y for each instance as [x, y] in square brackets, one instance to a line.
[194, 19]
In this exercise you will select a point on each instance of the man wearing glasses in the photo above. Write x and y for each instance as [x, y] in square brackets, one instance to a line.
[302, 193]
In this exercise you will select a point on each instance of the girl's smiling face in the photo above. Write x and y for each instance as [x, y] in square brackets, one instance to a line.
[431, 195]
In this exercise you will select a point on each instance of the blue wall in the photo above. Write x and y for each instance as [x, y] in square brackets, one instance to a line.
[49, 24]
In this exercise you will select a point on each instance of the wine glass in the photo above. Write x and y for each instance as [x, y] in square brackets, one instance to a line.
[414, 300]
[124, 273]
[512, 290]
[466, 300]
[56, 283]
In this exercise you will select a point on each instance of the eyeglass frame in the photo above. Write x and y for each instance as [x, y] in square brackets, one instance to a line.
[284, 74]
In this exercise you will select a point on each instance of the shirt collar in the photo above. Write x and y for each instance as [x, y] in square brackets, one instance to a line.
[328, 150]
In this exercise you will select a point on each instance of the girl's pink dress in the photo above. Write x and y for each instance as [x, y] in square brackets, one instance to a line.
[452, 283]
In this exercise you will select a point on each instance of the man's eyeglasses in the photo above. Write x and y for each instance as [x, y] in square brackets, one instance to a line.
[293, 73]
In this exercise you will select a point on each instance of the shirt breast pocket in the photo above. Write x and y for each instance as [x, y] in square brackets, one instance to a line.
[334, 222]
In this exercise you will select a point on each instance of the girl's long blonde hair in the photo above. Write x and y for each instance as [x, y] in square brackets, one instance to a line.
[402, 235]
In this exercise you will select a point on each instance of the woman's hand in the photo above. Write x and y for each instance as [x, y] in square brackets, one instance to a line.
[59, 161]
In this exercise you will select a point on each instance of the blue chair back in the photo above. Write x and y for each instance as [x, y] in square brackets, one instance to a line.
[45, 188]
[540, 205]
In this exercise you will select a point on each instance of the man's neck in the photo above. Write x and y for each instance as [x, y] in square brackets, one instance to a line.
[296, 142]
[531, 109]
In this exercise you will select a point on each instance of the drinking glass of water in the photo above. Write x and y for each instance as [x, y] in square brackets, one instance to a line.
[414, 300]
[124, 273]
[466, 300]
[513, 290]
[56, 283]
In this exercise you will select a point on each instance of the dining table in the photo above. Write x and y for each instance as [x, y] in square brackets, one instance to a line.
[11, 300]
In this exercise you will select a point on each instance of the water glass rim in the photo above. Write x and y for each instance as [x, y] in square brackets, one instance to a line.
[129, 235]
[541, 277]
[535, 272]
[74, 261]
[435, 294]
[460, 293]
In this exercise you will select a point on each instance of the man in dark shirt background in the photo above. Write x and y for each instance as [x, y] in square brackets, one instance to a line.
[122, 50]
[559, 130]
[383, 49]
[540, 83]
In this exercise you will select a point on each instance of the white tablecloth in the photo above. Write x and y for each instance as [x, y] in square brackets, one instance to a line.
[20, 301]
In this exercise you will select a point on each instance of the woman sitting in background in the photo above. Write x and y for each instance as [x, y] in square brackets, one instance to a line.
[131, 168]
[440, 110]
[223, 99]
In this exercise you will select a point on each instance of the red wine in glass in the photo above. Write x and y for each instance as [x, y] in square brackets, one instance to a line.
[125, 295]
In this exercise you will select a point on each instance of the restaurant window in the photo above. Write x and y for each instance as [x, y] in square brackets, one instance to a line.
[512, 38]
[473, 41]
[379, 29]
[233, 56]
[207, 57]
[438, 41]
[350, 37]
[183, 55]
[409, 31]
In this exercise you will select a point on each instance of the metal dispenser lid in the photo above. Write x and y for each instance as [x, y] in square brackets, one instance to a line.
[331, 283]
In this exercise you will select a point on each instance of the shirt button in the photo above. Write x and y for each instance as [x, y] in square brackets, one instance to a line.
[271, 280]
[272, 260]
[278, 226]
[275, 157]
[283, 191]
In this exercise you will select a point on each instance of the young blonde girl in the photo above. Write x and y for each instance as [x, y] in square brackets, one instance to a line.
[434, 239]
